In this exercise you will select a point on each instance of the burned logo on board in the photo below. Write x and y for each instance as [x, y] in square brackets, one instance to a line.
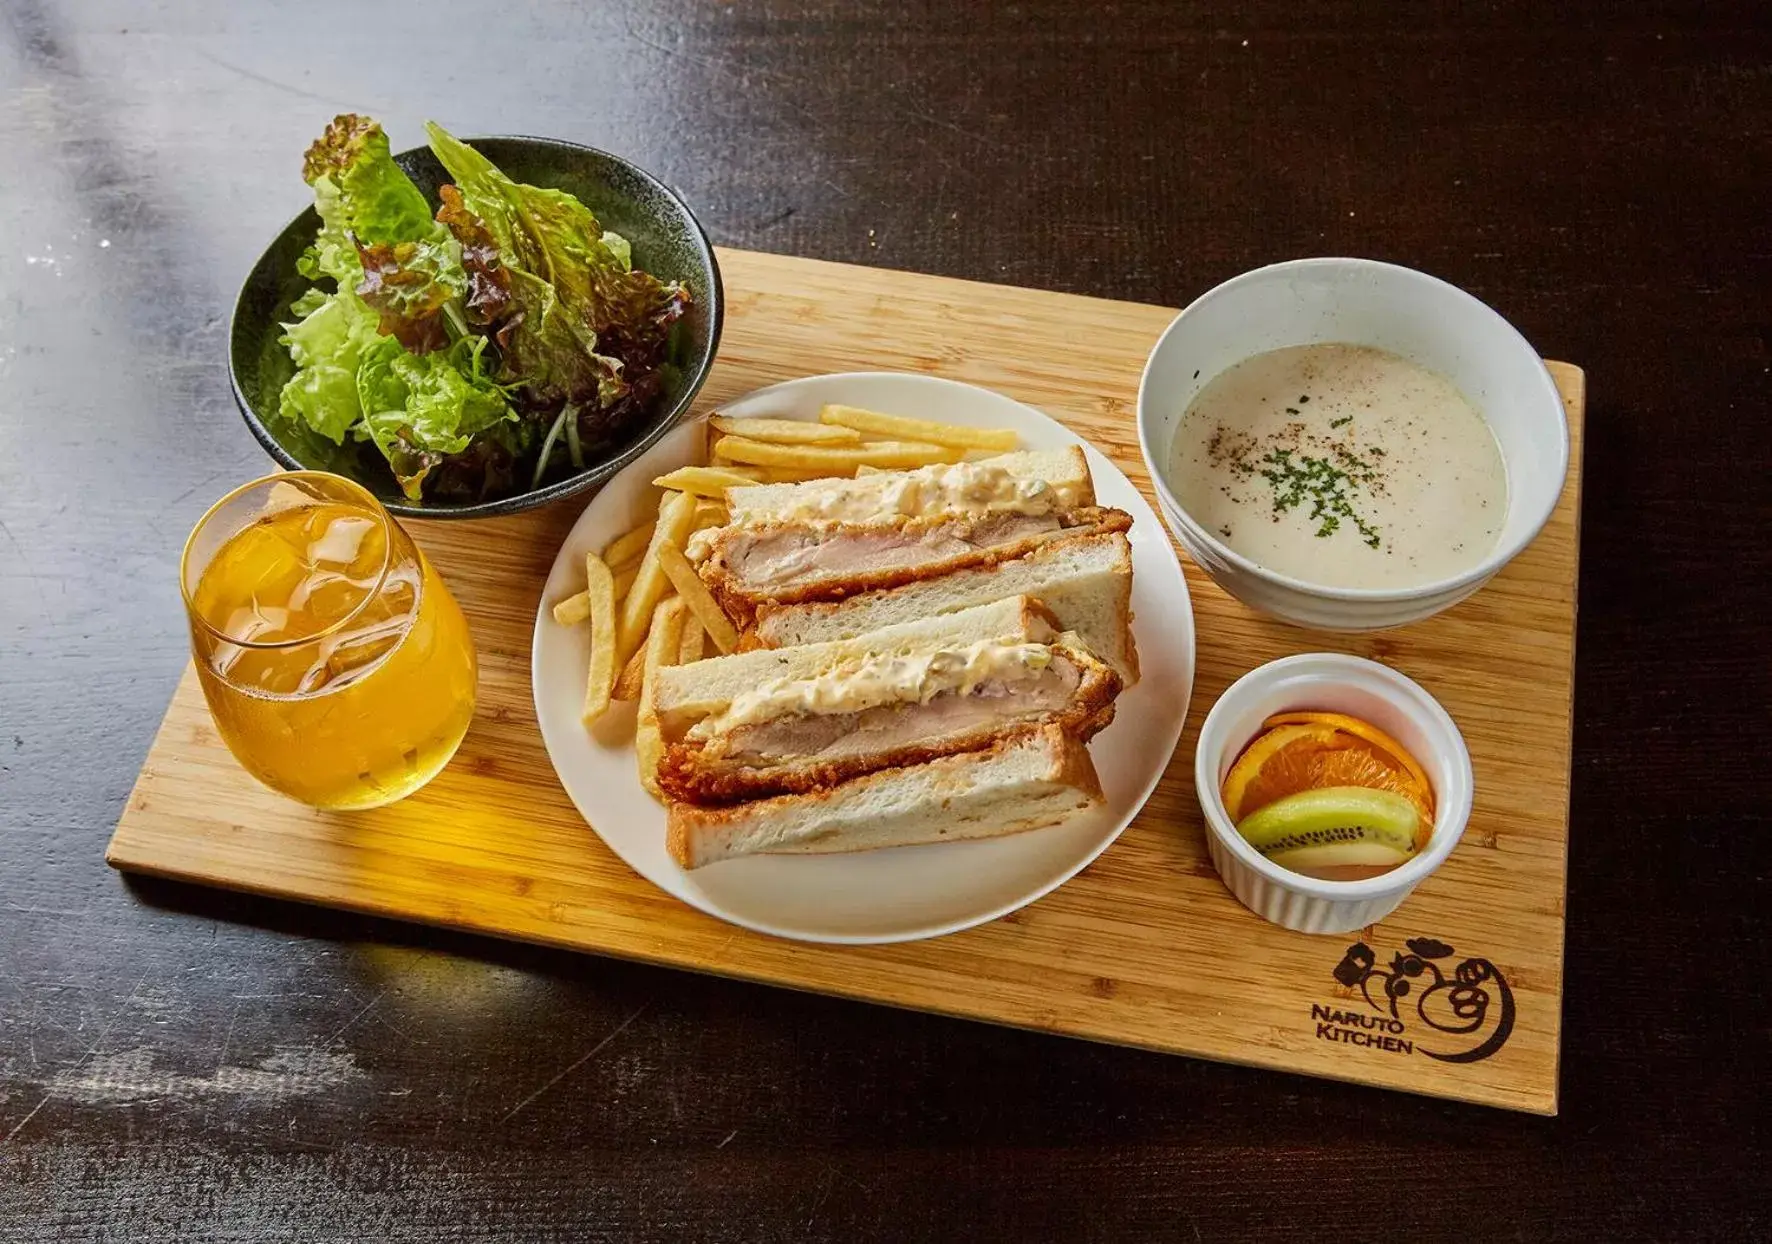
[1459, 1013]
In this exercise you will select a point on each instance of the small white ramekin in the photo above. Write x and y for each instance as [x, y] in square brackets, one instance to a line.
[1363, 301]
[1329, 682]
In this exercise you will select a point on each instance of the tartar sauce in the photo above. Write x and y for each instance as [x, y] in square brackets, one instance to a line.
[951, 488]
[889, 678]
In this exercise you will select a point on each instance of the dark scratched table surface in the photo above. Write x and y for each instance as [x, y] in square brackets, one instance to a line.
[177, 1064]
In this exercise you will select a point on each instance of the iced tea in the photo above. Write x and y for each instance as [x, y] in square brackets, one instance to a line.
[337, 666]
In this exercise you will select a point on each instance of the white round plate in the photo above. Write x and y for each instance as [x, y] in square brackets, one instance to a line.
[905, 893]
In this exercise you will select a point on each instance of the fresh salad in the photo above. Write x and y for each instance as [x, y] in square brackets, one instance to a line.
[506, 337]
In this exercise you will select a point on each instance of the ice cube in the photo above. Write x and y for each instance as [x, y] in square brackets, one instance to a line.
[341, 543]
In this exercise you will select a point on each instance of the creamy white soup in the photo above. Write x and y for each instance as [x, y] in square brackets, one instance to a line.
[1341, 465]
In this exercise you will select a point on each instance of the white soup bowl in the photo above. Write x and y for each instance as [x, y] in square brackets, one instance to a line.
[1358, 302]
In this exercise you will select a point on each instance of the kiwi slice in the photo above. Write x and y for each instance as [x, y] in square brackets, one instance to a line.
[1334, 828]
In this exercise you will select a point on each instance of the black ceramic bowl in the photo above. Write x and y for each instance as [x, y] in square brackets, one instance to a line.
[667, 242]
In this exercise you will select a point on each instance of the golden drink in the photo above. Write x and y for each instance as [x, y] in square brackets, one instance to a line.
[337, 666]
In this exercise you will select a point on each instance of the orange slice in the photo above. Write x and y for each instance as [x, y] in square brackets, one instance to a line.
[1394, 751]
[1266, 749]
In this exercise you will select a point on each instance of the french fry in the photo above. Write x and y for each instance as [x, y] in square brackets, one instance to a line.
[838, 460]
[648, 756]
[723, 461]
[902, 428]
[710, 514]
[693, 642]
[627, 683]
[706, 481]
[867, 469]
[787, 431]
[705, 437]
[701, 602]
[662, 643]
[573, 610]
[600, 588]
[676, 514]
[629, 545]
[782, 475]
[576, 608]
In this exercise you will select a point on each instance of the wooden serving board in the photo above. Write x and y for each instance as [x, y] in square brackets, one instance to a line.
[1145, 947]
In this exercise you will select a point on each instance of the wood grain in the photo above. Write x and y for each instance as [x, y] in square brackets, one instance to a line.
[1146, 947]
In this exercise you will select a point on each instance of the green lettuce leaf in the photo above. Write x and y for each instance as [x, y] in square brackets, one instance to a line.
[619, 248]
[361, 195]
[327, 344]
[419, 409]
[586, 315]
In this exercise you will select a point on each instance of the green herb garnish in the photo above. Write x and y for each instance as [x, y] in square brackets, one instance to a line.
[1299, 478]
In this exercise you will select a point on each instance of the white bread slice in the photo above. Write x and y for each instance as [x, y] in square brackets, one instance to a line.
[1028, 781]
[686, 693]
[1086, 582]
[1067, 470]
